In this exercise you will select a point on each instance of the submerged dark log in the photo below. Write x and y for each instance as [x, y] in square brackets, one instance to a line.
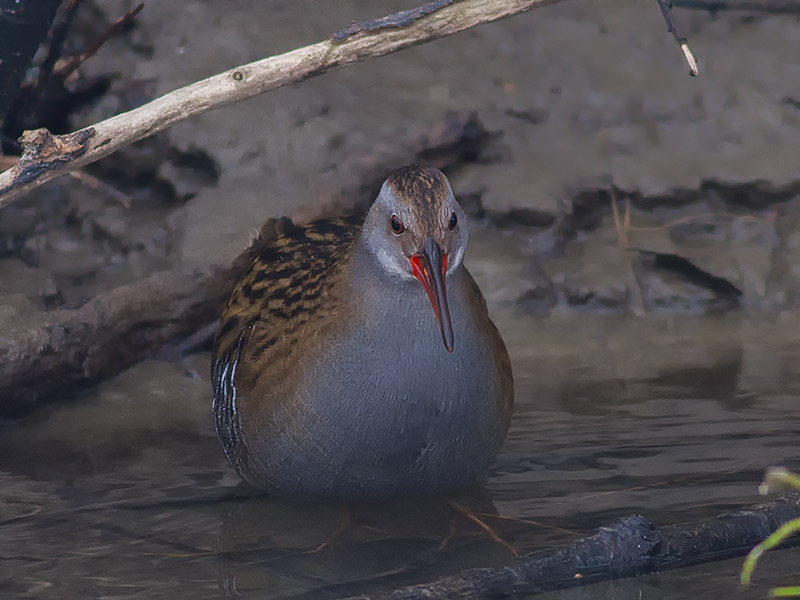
[626, 547]
[107, 334]
[70, 348]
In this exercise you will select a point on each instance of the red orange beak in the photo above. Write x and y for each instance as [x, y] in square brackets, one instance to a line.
[430, 268]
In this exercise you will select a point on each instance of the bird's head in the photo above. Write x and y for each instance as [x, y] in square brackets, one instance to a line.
[417, 230]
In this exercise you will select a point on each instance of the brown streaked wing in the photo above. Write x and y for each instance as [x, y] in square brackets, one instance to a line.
[287, 284]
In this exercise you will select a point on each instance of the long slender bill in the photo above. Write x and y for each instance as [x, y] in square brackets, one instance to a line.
[430, 268]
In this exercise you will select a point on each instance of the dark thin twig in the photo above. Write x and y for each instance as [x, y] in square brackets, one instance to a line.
[666, 10]
[29, 95]
[68, 66]
[54, 65]
[57, 36]
[101, 186]
[623, 227]
[777, 7]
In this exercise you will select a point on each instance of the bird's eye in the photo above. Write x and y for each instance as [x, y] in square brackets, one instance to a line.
[397, 225]
[453, 221]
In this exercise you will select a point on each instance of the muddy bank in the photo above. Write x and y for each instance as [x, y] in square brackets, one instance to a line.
[582, 102]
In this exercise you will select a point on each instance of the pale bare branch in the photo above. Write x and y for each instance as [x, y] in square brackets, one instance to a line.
[357, 42]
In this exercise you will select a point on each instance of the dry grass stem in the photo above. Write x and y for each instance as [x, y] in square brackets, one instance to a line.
[471, 516]
[527, 522]
[622, 225]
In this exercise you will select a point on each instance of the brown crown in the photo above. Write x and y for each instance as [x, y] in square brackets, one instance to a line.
[421, 188]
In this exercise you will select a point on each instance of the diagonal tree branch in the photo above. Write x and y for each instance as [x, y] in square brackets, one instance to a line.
[357, 42]
[354, 43]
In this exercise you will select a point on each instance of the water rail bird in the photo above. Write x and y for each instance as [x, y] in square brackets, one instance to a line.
[356, 359]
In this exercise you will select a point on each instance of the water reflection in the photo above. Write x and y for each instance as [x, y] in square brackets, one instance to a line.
[336, 550]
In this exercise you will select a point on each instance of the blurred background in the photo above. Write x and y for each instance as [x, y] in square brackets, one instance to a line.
[634, 230]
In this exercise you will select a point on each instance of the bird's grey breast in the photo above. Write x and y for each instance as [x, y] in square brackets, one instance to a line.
[392, 398]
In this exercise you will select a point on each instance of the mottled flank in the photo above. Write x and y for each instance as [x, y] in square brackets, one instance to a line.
[421, 188]
[285, 286]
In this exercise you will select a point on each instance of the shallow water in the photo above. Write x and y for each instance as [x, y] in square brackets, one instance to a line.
[124, 492]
